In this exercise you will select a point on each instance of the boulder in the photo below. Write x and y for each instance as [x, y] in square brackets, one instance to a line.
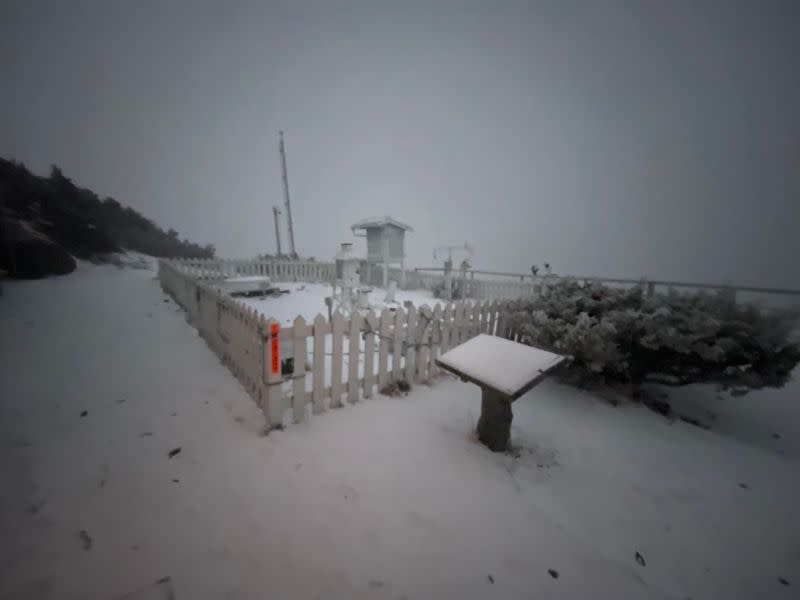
[26, 253]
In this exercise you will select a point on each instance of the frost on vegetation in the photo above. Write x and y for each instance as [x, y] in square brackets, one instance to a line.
[623, 336]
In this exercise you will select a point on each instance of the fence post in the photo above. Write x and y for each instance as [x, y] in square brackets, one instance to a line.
[272, 401]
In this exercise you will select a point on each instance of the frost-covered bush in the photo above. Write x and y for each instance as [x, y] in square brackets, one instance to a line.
[623, 336]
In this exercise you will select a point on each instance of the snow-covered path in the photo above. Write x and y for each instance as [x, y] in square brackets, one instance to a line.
[388, 499]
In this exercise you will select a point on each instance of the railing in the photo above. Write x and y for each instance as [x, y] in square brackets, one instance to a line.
[350, 357]
[522, 288]
[277, 270]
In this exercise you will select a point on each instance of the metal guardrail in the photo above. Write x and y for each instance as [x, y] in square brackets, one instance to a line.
[648, 282]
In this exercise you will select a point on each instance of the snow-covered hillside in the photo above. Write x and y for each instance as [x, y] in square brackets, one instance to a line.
[101, 380]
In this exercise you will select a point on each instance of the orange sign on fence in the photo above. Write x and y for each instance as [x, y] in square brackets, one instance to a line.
[275, 360]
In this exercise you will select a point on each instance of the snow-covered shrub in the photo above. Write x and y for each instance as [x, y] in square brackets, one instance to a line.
[623, 336]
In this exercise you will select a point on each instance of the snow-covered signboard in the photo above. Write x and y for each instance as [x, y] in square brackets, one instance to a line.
[507, 367]
[504, 370]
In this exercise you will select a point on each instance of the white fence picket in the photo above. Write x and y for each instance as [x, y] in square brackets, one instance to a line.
[369, 353]
[318, 376]
[383, 352]
[353, 355]
[397, 353]
[300, 332]
[337, 325]
[412, 339]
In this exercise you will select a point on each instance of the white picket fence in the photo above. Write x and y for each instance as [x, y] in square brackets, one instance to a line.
[350, 358]
[277, 270]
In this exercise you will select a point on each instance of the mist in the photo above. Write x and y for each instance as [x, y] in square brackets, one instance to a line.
[621, 140]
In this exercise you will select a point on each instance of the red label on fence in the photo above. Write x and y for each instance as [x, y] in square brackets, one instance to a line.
[275, 361]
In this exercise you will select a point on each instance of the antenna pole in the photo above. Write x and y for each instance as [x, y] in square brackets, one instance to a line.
[276, 211]
[292, 251]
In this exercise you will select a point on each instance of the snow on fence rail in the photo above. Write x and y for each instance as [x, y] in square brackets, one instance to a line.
[377, 350]
[277, 270]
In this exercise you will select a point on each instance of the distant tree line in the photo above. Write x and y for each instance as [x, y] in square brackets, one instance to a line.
[56, 210]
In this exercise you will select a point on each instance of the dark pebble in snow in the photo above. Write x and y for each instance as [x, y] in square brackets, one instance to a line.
[166, 300]
[175, 480]
[553, 573]
[783, 581]
[174, 452]
[640, 559]
[776, 436]
[744, 486]
[86, 539]
[491, 579]
[84, 413]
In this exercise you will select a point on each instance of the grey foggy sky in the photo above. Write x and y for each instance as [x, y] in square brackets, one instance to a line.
[610, 138]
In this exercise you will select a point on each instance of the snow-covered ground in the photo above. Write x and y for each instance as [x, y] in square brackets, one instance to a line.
[308, 300]
[392, 498]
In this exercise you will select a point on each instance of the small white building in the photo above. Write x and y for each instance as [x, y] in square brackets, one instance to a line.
[385, 245]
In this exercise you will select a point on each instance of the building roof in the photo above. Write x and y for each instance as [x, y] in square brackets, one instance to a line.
[380, 222]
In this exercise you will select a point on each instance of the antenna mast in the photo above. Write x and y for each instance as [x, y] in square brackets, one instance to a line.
[276, 211]
[292, 251]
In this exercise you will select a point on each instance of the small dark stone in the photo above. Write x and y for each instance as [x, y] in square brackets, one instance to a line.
[553, 573]
[744, 486]
[783, 581]
[84, 413]
[175, 480]
[166, 300]
[776, 436]
[661, 407]
[174, 452]
[695, 422]
[491, 579]
[640, 559]
[86, 539]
